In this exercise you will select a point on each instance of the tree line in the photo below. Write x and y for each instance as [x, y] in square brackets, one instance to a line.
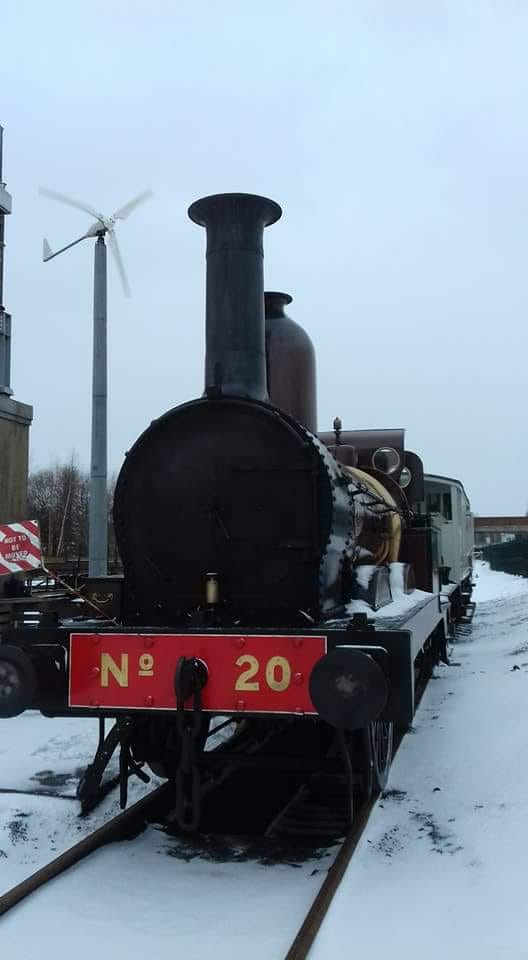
[58, 497]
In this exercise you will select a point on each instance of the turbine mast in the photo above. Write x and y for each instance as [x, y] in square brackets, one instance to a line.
[103, 226]
[98, 522]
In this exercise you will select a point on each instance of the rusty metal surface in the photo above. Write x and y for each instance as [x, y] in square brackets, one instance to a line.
[304, 940]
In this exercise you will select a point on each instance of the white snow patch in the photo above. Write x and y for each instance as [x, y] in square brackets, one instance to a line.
[401, 602]
[396, 578]
[364, 574]
[32, 748]
[492, 584]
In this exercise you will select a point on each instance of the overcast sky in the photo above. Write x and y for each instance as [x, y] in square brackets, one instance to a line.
[394, 135]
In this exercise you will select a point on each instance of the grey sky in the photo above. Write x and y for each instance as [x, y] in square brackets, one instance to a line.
[393, 134]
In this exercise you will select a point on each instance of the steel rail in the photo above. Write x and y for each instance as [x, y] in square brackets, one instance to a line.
[123, 824]
[117, 828]
[311, 924]
[320, 905]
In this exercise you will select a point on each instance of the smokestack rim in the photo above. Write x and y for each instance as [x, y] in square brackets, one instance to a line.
[202, 210]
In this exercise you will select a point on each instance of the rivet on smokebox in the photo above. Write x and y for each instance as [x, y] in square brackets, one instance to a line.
[96, 639]
[298, 679]
[94, 703]
[241, 705]
[149, 642]
[297, 642]
[95, 671]
[240, 642]
[299, 710]
[149, 701]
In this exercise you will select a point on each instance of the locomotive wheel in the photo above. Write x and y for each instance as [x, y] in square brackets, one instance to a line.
[381, 736]
[370, 751]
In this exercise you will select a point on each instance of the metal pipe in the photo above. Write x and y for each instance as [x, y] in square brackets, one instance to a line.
[98, 521]
[5, 353]
[5, 318]
[2, 224]
[235, 361]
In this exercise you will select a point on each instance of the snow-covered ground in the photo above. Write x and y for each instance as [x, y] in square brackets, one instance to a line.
[442, 861]
[152, 896]
[43, 759]
[441, 870]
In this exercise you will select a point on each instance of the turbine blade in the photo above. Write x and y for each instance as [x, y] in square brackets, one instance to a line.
[114, 247]
[47, 252]
[70, 202]
[125, 211]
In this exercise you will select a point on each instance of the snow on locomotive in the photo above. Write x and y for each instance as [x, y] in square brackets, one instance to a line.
[270, 572]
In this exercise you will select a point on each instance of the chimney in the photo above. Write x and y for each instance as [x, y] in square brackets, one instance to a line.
[235, 358]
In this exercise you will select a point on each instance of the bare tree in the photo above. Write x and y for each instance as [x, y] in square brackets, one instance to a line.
[58, 497]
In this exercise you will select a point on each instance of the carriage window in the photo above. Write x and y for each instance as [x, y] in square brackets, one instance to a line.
[446, 506]
[433, 503]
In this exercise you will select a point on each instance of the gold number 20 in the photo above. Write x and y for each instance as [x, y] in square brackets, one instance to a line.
[244, 681]
[278, 674]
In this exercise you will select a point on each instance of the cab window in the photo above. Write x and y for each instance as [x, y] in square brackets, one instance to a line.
[440, 503]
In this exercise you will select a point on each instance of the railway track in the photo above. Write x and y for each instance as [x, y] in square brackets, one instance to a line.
[121, 827]
[310, 926]
[291, 822]
[125, 825]
[157, 803]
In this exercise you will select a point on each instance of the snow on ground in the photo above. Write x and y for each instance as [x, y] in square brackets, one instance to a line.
[442, 862]
[131, 899]
[45, 754]
[138, 900]
[441, 868]
[43, 758]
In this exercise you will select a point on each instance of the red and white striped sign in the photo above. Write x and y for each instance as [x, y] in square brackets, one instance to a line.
[20, 548]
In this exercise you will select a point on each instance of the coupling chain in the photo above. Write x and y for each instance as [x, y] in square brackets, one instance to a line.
[191, 677]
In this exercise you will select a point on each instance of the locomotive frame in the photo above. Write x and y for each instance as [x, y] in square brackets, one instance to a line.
[395, 645]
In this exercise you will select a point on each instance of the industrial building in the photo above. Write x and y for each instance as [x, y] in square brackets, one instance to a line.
[15, 417]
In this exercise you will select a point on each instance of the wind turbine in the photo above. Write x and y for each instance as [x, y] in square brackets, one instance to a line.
[103, 226]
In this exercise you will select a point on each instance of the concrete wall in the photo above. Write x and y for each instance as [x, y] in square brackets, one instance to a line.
[499, 529]
[15, 420]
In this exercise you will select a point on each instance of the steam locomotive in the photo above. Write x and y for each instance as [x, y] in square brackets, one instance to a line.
[271, 573]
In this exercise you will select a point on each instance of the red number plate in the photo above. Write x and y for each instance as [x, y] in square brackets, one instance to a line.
[262, 674]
